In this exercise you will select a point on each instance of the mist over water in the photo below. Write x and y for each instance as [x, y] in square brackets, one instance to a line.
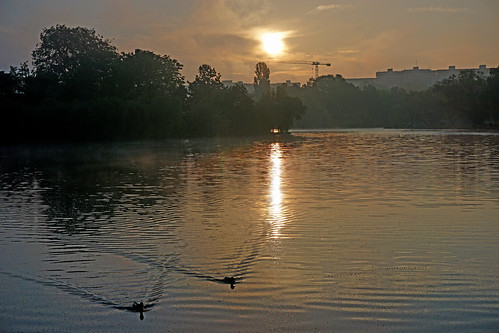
[323, 231]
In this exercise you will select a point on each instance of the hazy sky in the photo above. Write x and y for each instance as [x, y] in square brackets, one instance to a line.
[358, 37]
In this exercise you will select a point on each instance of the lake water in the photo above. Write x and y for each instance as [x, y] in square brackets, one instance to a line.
[372, 230]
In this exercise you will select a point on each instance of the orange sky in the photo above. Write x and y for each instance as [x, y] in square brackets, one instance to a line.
[358, 37]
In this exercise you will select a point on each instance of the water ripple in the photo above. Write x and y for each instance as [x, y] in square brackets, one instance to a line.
[335, 231]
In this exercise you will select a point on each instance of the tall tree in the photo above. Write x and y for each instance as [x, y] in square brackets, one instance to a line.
[21, 76]
[206, 94]
[207, 76]
[493, 95]
[278, 110]
[465, 94]
[33, 87]
[79, 58]
[335, 102]
[147, 74]
[261, 81]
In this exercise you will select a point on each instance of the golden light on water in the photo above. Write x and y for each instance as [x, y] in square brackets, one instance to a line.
[277, 219]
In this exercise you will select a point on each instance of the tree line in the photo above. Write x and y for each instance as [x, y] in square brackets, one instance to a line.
[80, 88]
[468, 100]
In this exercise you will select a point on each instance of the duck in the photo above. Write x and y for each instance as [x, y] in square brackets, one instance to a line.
[230, 280]
[138, 307]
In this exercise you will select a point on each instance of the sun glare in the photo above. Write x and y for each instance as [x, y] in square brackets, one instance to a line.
[272, 43]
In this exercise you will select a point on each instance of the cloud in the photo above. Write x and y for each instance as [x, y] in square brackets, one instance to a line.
[220, 33]
[323, 8]
[365, 36]
[438, 10]
[348, 51]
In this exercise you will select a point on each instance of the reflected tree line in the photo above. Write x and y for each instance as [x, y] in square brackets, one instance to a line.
[80, 88]
[82, 191]
[113, 196]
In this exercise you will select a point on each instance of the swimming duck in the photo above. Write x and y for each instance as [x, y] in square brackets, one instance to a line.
[230, 280]
[138, 307]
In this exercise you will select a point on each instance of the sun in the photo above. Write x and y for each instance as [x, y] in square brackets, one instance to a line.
[272, 43]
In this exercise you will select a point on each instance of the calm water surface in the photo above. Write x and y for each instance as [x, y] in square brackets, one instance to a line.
[327, 231]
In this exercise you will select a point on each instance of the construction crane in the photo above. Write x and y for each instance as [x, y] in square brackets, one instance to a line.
[316, 64]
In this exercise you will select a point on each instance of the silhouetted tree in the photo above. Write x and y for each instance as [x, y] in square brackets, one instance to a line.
[465, 94]
[79, 58]
[35, 88]
[205, 98]
[146, 74]
[261, 81]
[335, 100]
[278, 110]
[207, 76]
[7, 84]
[21, 76]
[214, 110]
[238, 114]
[493, 95]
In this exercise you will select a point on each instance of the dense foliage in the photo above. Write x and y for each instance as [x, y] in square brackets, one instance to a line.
[77, 60]
[261, 81]
[465, 101]
[81, 88]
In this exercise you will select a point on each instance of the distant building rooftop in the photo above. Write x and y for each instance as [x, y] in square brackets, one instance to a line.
[413, 79]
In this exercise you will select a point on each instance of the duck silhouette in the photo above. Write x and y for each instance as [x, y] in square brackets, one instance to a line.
[138, 307]
[230, 280]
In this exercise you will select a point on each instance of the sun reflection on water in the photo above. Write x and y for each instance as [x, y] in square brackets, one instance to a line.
[277, 219]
